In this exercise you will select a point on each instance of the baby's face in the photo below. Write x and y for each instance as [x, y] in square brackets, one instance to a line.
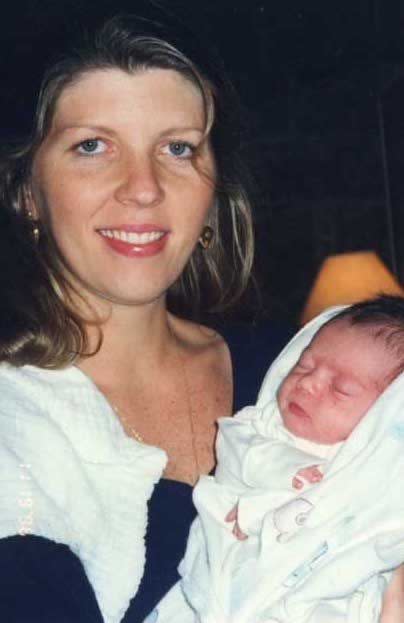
[335, 381]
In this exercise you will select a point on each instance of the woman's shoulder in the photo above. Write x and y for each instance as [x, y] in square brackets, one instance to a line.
[204, 346]
[52, 486]
[32, 386]
[199, 337]
[41, 404]
[240, 351]
[266, 337]
[25, 395]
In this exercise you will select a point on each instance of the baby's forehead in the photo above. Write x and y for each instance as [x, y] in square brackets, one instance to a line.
[374, 352]
[352, 333]
[335, 329]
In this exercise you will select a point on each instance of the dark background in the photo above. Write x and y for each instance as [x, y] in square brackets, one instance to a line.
[322, 85]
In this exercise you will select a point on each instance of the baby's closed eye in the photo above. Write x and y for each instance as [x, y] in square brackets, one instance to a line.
[346, 389]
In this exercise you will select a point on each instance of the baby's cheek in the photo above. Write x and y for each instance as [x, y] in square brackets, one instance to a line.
[347, 422]
[282, 392]
[335, 403]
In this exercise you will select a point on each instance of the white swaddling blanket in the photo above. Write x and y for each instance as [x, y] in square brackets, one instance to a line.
[314, 556]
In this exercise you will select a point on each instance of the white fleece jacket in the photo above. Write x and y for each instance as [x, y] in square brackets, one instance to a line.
[68, 472]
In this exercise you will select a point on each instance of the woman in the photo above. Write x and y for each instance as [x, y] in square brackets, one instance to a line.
[128, 213]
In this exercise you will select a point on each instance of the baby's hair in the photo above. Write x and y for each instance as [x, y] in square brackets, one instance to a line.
[385, 316]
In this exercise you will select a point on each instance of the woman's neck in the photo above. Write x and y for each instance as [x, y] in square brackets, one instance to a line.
[135, 339]
[167, 380]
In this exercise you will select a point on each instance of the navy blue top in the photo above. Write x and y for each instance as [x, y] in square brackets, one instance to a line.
[44, 582]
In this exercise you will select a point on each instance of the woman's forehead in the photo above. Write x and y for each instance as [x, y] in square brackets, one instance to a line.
[94, 90]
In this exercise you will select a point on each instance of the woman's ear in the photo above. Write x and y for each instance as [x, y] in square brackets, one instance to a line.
[31, 213]
[29, 204]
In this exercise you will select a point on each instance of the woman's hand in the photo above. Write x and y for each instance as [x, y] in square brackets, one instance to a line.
[393, 603]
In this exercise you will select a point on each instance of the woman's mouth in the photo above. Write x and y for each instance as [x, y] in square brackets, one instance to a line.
[145, 242]
[132, 237]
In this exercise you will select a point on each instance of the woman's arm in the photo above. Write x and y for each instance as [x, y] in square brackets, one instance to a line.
[42, 581]
[393, 604]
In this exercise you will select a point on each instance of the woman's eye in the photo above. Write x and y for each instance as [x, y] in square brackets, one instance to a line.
[91, 146]
[181, 149]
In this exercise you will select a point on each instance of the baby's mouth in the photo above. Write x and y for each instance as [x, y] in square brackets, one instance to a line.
[297, 410]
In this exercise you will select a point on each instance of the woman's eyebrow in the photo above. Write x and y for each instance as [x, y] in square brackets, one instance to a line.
[66, 127]
[183, 128]
[62, 128]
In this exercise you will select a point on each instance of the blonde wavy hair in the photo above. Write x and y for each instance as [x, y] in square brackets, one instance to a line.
[43, 326]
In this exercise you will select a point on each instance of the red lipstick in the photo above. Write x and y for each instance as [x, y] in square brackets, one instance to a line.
[137, 241]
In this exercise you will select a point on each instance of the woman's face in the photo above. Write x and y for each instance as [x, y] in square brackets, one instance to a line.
[116, 181]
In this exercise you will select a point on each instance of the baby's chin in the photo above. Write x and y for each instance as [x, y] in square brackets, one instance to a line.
[299, 424]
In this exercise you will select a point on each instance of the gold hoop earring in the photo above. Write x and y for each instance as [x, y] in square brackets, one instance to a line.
[34, 223]
[206, 237]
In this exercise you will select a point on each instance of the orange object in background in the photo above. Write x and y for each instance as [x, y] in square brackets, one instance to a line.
[349, 278]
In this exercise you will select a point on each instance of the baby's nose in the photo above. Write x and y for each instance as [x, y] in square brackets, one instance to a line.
[312, 382]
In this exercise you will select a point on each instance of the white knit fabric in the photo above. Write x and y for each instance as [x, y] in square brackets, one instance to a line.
[321, 555]
[68, 472]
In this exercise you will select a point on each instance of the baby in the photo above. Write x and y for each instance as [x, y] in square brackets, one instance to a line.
[346, 366]
[303, 473]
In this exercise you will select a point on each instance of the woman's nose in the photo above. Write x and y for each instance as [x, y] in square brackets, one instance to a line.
[139, 183]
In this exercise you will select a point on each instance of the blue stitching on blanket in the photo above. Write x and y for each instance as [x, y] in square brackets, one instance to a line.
[303, 570]
[397, 431]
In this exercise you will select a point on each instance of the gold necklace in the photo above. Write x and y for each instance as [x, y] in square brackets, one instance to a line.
[191, 416]
[128, 427]
[190, 410]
